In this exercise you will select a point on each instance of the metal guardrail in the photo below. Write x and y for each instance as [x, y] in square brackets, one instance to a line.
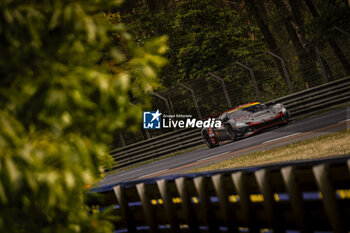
[309, 196]
[317, 98]
[298, 104]
[156, 147]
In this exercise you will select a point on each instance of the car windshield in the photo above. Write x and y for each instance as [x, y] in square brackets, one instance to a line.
[246, 111]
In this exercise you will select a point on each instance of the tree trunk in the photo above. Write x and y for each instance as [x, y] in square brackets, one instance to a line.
[328, 70]
[306, 58]
[334, 45]
[152, 5]
[257, 11]
[340, 55]
[166, 4]
[312, 8]
[146, 135]
[295, 7]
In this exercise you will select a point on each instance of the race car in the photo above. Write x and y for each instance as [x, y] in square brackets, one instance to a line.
[244, 121]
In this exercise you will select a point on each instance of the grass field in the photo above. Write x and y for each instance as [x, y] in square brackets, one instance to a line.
[329, 145]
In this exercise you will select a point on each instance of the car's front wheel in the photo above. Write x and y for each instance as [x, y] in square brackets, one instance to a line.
[207, 140]
[285, 119]
[231, 133]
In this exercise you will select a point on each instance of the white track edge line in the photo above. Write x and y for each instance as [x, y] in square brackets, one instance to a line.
[154, 173]
[290, 135]
[344, 120]
[213, 156]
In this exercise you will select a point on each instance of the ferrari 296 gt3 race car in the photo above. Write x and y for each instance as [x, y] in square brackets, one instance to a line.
[245, 120]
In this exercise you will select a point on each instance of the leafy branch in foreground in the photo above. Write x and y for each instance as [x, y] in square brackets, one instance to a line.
[65, 88]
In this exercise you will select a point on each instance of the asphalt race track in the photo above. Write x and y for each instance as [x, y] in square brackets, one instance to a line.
[333, 121]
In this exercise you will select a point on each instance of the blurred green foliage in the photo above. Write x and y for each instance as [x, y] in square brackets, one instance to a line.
[68, 71]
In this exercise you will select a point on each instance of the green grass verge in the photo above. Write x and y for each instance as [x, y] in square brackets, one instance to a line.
[324, 146]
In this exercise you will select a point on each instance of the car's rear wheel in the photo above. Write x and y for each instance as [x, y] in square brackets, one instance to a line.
[231, 133]
[207, 140]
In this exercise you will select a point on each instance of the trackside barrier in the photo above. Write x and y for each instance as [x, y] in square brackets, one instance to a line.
[298, 104]
[157, 146]
[311, 196]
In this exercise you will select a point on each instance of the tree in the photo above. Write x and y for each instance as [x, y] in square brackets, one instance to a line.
[65, 88]
[306, 58]
[257, 11]
[297, 9]
[207, 36]
[332, 15]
